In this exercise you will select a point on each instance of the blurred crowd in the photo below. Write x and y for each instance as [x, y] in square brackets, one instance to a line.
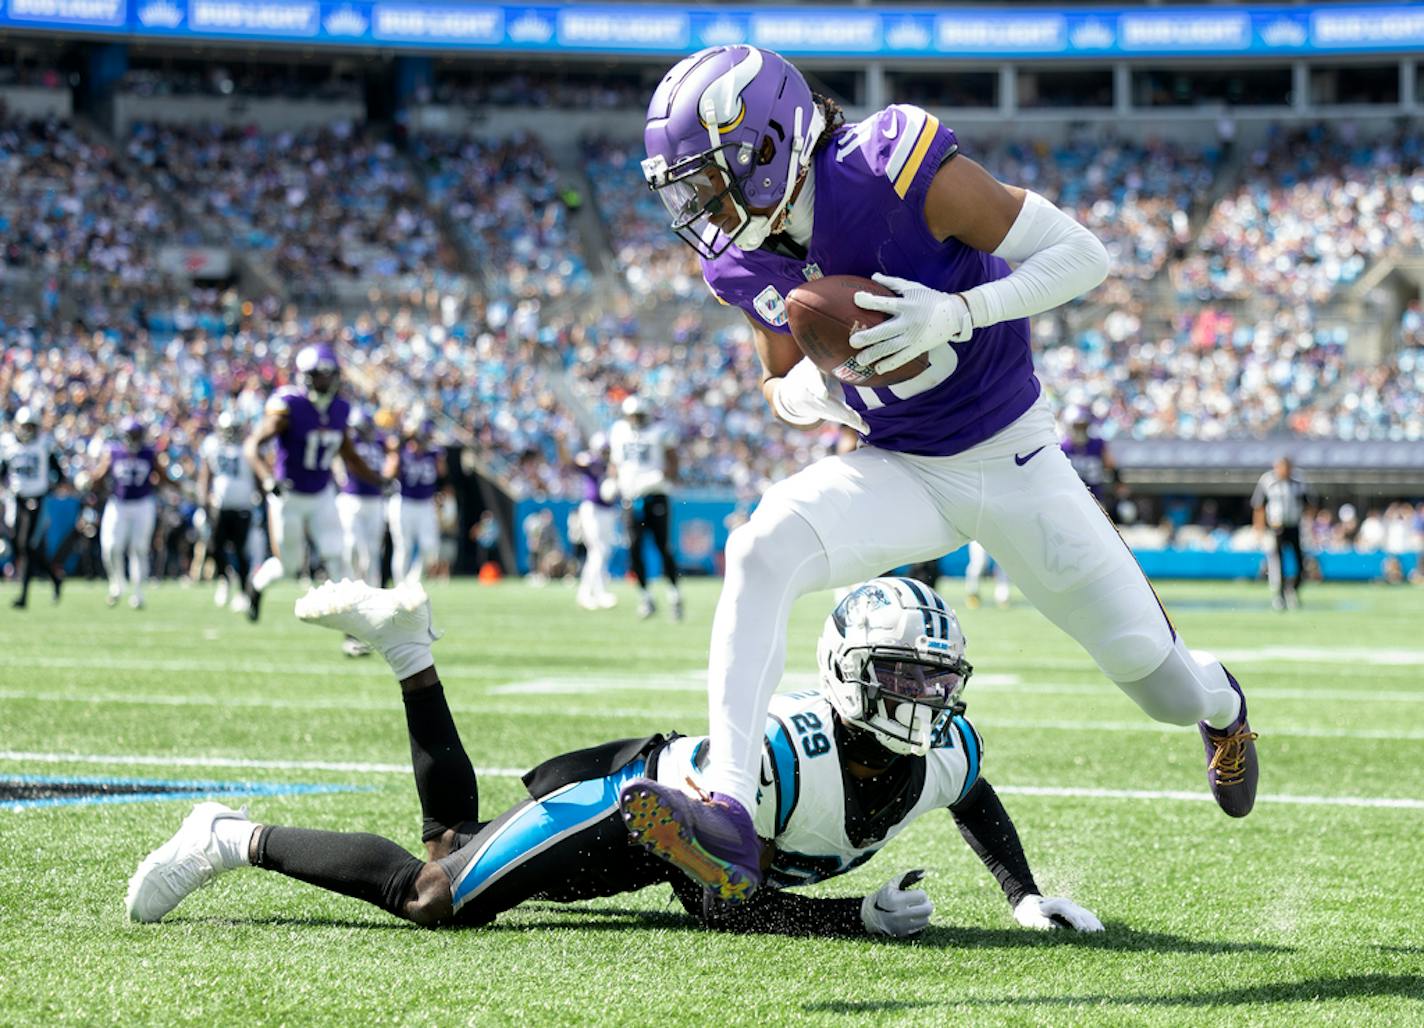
[474, 294]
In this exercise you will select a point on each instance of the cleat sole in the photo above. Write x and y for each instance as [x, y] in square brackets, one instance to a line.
[654, 825]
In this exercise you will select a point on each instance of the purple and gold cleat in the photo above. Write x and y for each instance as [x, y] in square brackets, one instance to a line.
[708, 838]
[1231, 768]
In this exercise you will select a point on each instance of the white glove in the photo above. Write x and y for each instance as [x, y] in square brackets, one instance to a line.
[608, 490]
[920, 319]
[803, 396]
[1055, 912]
[200, 519]
[897, 910]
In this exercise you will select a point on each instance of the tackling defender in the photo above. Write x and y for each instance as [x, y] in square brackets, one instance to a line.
[844, 769]
[772, 191]
[308, 421]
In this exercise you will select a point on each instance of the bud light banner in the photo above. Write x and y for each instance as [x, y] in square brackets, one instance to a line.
[1007, 32]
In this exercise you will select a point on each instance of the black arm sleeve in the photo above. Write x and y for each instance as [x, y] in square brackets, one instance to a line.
[772, 911]
[986, 826]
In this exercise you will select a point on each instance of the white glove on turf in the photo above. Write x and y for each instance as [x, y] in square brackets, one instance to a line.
[1055, 912]
[897, 910]
[806, 395]
[920, 319]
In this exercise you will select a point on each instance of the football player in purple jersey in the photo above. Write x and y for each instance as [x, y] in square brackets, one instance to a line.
[1088, 452]
[308, 421]
[126, 529]
[361, 505]
[418, 465]
[772, 190]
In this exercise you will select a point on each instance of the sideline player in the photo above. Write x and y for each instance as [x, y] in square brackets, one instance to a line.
[1089, 454]
[847, 767]
[227, 492]
[771, 190]
[361, 505]
[308, 421]
[979, 561]
[30, 468]
[126, 528]
[418, 465]
[597, 522]
[644, 465]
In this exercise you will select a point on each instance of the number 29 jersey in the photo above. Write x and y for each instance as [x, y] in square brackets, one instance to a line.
[311, 440]
[805, 804]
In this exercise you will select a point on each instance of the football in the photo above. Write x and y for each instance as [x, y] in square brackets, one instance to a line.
[823, 314]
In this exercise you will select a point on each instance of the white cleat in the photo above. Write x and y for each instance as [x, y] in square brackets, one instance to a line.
[220, 593]
[182, 865]
[239, 603]
[136, 602]
[395, 622]
[354, 647]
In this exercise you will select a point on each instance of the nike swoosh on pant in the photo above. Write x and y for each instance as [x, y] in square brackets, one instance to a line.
[1021, 461]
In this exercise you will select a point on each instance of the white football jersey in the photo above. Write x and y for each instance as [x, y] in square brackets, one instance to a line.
[232, 485]
[803, 804]
[26, 465]
[639, 457]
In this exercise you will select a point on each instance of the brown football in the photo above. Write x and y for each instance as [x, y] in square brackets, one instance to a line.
[823, 314]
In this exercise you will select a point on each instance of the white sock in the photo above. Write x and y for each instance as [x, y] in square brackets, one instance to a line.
[770, 562]
[234, 839]
[408, 658]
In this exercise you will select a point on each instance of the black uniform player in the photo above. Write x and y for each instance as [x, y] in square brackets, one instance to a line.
[837, 788]
[29, 468]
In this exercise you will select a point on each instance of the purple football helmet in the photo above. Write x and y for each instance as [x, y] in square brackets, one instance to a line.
[131, 431]
[729, 132]
[319, 371]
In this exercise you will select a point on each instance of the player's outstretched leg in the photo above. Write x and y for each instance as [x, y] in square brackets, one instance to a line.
[1231, 768]
[213, 839]
[709, 838]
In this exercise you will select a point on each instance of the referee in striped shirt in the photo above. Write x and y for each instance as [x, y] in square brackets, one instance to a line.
[1278, 502]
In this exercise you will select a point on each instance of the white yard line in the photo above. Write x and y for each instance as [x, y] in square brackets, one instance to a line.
[358, 767]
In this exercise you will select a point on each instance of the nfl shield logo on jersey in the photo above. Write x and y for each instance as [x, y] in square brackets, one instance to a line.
[771, 306]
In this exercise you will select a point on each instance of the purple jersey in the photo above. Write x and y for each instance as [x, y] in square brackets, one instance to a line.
[419, 471]
[870, 186]
[592, 472]
[1088, 459]
[132, 471]
[311, 440]
[373, 452]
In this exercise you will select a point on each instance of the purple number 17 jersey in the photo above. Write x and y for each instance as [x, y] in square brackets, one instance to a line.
[869, 215]
[311, 440]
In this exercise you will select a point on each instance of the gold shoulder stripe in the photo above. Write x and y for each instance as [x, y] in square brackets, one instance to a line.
[917, 156]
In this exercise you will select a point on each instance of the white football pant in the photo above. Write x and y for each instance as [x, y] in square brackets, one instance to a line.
[849, 517]
[363, 527]
[126, 536]
[599, 525]
[979, 560]
[413, 528]
[292, 518]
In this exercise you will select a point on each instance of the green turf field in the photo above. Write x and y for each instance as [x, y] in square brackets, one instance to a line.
[1308, 911]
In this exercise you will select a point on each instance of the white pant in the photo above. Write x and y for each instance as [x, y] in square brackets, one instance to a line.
[599, 524]
[979, 560]
[292, 518]
[126, 535]
[363, 526]
[413, 528]
[849, 517]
